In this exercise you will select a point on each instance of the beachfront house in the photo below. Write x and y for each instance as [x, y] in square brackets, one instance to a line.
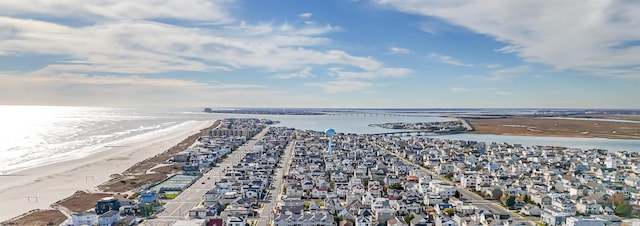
[148, 196]
[86, 218]
[109, 218]
[107, 204]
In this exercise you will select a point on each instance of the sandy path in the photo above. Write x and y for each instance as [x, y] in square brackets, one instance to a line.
[39, 187]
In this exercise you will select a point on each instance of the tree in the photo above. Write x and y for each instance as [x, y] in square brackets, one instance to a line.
[396, 186]
[511, 201]
[456, 194]
[336, 219]
[503, 198]
[616, 199]
[365, 181]
[623, 209]
[448, 211]
[408, 218]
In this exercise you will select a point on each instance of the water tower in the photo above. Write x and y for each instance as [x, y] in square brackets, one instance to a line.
[329, 132]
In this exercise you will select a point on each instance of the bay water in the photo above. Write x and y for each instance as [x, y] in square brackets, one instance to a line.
[36, 135]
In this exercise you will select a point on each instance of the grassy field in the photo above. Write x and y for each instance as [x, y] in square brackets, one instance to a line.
[557, 127]
[171, 195]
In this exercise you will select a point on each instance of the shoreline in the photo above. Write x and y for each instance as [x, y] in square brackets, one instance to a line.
[39, 187]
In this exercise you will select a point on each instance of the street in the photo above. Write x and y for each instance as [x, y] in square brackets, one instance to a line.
[276, 193]
[178, 208]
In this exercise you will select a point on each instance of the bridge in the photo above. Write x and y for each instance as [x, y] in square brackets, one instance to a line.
[414, 133]
[363, 114]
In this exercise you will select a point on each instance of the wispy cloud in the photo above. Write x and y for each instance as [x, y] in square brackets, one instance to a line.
[507, 73]
[448, 60]
[142, 47]
[600, 38]
[99, 10]
[398, 50]
[492, 66]
[435, 27]
[460, 89]
[306, 15]
[305, 73]
[381, 73]
[341, 86]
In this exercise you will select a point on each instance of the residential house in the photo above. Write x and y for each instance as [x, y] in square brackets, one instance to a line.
[307, 218]
[585, 221]
[319, 193]
[108, 218]
[397, 221]
[588, 207]
[85, 218]
[365, 218]
[422, 220]
[236, 220]
[531, 210]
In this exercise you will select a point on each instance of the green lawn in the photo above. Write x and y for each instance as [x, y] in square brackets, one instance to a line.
[171, 195]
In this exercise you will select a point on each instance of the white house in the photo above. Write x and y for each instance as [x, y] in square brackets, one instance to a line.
[584, 221]
[198, 212]
[307, 218]
[109, 218]
[468, 181]
[588, 207]
[319, 193]
[86, 218]
[235, 220]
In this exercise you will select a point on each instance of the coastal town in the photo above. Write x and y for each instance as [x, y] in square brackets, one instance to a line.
[251, 172]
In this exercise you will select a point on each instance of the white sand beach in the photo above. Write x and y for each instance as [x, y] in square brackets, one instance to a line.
[39, 187]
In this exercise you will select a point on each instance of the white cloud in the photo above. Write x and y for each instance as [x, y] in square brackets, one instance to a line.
[459, 89]
[448, 60]
[381, 73]
[341, 86]
[306, 15]
[593, 35]
[435, 27]
[212, 11]
[507, 73]
[398, 50]
[305, 73]
[492, 66]
[149, 47]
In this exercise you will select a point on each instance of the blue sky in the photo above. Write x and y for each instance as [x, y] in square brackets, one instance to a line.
[330, 53]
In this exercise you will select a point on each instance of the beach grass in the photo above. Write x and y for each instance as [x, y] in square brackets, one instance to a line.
[82, 201]
[44, 217]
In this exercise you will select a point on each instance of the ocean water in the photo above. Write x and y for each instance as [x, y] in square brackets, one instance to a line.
[36, 135]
